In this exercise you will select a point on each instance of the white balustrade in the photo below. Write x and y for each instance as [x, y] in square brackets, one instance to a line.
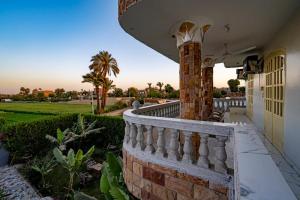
[226, 104]
[154, 137]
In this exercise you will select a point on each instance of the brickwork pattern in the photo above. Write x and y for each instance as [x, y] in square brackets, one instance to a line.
[146, 181]
[190, 81]
[125, 4]
[207, 93]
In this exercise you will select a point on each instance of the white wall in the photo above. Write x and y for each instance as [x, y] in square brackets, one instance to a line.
[289, 39]
[258, 101]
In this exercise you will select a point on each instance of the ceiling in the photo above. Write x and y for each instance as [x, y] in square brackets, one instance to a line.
[251, 22]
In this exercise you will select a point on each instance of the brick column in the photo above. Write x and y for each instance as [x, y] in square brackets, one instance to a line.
[207, 81]
[190, 81]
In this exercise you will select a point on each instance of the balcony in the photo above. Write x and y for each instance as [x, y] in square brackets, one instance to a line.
[169, 158]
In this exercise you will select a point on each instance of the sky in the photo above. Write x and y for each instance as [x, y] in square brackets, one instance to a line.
[48, 44]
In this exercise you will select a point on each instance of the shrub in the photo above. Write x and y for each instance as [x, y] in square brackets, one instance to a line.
[2, 121]
[28, 138]
[116, 106]
[112, 134]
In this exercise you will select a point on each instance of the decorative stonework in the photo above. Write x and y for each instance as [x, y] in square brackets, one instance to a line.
[146, 180]
[125, 4]
[190, 81]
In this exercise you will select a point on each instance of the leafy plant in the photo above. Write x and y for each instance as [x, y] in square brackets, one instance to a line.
[80, 130]
[43, 167]
[72, 162]
[111, 181]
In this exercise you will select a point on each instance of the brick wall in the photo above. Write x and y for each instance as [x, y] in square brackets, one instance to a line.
[207, 80]
[146, 180]
[190, 81]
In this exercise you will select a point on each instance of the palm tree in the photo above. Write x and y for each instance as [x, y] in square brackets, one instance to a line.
[97, 80]
[104, 64]
[106, 86]
[149, 85]
[160, 85]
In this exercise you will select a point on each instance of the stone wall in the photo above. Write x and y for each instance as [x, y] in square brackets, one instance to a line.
[146, 180]
[190, 81]
[207, 80]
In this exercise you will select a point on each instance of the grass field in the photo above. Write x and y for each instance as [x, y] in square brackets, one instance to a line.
[46, 107]
[11, 117]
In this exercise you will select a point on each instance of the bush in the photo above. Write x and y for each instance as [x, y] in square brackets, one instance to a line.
[2, 121]
[112, 134]
[28, 138]
[116, 106]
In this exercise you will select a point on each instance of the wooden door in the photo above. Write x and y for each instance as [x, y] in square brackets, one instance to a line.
[274, 97]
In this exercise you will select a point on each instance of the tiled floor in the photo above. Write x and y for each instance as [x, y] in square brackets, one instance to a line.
[287, 170]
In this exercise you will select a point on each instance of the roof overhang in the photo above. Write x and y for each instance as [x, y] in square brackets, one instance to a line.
[251, 24]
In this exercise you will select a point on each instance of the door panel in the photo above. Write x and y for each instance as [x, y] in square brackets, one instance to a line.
[274, 97]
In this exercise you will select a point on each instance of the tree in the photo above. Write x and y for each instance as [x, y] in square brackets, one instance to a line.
[133, 92]
[169, 88]
[104, 64]
[160, 85]
[24, 91]
[242, 89]
[233, 84]
[106, 86]
[118, 92]
[59, 92]
[95, 79]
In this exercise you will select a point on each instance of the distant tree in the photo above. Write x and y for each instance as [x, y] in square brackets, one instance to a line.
[160, 85]
[154, 93]
[95, 79]
[104, 64]
[118, 92]
[233, 84]
[223, 92]
[59, 92]
[242, 89]
[133, 92]
[24, 91]
[169, 88]
[41, 96]
[106, 85]
[174, 94]
[149, 85]
[217, 94]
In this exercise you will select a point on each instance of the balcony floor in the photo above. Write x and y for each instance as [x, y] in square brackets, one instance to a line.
[261, 165]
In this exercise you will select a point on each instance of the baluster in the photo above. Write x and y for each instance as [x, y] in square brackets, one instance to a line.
[187, 148]
[203, 151]
[223, 105]
[132, 135]
[127, 132]
[173, 149]
[161, 143]
[221, 156]
[149, 147]
[140, 137]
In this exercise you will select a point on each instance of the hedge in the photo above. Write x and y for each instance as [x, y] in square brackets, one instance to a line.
[28, 138]
[112, 134]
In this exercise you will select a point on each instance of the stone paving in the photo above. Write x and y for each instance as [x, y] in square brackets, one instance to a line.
[15, 186]
[286, 168]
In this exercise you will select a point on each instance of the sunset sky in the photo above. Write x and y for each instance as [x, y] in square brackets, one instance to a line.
[48, 44]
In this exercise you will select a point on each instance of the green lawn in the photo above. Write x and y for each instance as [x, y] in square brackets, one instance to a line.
[11, 117]
[46, 107]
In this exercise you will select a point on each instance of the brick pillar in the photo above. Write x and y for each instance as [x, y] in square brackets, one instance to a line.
[190, 81]
[207, 82]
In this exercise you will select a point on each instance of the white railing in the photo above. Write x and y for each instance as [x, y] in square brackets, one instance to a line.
[170, 109]
[226, 104]
[156, 138]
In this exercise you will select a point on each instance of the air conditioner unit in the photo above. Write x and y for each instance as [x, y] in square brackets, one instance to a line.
[240, 74]
[253, 65]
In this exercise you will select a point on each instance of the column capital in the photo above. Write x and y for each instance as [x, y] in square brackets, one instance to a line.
[189, 31]
[208, 62]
